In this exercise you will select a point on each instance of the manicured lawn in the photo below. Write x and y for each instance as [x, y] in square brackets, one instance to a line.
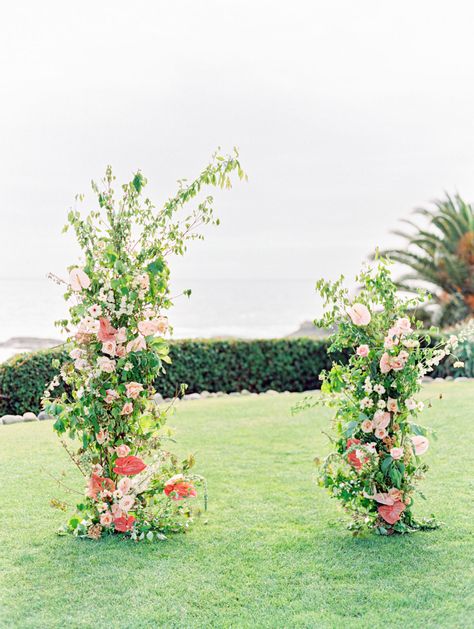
[270, 552]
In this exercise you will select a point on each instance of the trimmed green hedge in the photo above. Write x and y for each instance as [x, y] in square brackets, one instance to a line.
[282, 365]
[204, 365]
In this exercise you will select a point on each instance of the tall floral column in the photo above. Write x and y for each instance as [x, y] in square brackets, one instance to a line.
[117, 326]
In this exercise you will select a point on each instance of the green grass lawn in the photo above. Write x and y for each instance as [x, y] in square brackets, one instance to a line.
[272, 550]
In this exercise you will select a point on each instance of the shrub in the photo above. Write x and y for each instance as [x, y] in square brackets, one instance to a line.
[205, 365]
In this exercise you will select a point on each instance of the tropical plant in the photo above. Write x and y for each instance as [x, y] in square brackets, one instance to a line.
[117, 349]
[441, 256]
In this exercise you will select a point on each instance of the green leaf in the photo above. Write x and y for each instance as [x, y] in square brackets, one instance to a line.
[386, 463]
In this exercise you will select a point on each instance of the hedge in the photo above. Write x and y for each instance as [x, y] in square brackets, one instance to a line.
[204, 365]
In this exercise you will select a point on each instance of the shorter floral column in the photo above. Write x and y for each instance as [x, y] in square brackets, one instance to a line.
[381, 355]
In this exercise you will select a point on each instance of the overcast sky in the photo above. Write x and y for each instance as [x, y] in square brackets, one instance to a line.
[347, 114]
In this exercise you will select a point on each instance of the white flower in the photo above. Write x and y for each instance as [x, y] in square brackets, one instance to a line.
[410, 403]
[366, 403]
[95, 310]
[453, 341]
[379, 388]
[381, 404]
[420, 406]
[458, 364]
[128, 366]
[410, 343]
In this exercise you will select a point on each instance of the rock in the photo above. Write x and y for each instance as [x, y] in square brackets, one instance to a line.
[12, 419]
[286, 393]
[167, 400]
[427, 379]
[271, 392]
[158, 398]
[44, 415]
[462, 379]
[191, 396]
[205, 394]
[245, 392]
[212, 394]
[29, 417]
[439, 379]
[234, 394]
[449, 378]
[221, 394]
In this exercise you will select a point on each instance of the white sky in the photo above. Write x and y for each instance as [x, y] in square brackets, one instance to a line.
[347, 114]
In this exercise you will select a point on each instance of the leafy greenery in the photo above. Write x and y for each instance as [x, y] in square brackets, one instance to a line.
[205, 365]
[270, 551]
[441, 255]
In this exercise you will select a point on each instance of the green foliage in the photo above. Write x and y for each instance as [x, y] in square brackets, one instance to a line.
[204, 365]
[441, 255]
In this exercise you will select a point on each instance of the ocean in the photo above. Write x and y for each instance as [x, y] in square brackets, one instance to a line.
[256, 308]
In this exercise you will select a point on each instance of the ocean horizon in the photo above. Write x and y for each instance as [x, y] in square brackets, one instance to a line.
[244, 308]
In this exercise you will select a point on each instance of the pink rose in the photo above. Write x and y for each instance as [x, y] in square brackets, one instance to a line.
[124, 483]
[144, 281]
[121, 335]
[111, 396]
[127, 503]
[105, 364]
[381, 419]
[403, 355]
[397, 363]
[78, 279]
[133, 389]
[385, 365]
[363, 351]
[116, 510]
[396, 453]
[76, 353]
[380, 433]
[359, 314]
[146, 328]
[367, 425]
[420, 444]
[120, 351]
[136, 344]
[80, 364]
[127, 409]
[106, 519]
[389, 343]
[403, 324]
[392, 405]
[109, 348]
[393, 333]
[161, 324]
[122, 450]
[102, 436]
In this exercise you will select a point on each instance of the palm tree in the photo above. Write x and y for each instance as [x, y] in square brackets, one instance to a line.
[442, 256]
